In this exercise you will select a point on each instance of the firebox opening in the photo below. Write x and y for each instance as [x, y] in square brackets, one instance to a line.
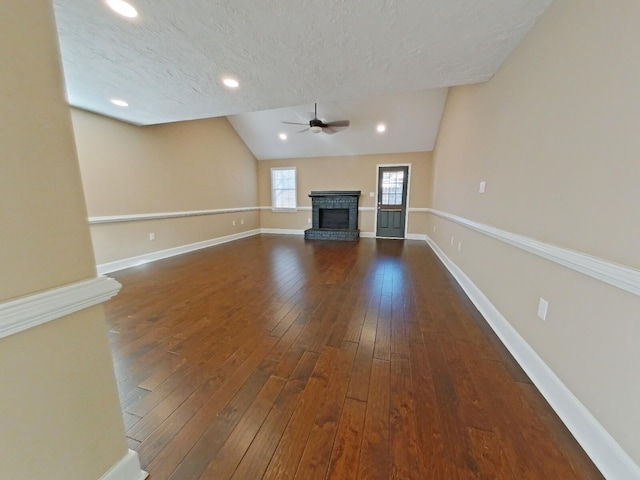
[335, 218]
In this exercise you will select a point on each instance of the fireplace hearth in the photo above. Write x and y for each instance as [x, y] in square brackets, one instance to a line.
[334, 216]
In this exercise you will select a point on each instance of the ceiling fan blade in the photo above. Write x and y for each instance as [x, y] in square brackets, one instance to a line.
[338, 123]
[328, 130]
[294, 123]
[303, 130]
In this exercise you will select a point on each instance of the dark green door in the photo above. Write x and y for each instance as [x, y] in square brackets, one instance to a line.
[392, 201]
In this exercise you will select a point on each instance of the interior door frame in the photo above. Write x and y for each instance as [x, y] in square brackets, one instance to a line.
[375, 208]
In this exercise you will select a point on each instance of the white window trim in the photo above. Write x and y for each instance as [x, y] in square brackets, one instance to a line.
[273, 207]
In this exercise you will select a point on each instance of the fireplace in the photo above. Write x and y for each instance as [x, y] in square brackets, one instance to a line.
[334, 216]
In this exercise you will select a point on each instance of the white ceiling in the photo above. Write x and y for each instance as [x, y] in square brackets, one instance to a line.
[348, 55]
[412, 121]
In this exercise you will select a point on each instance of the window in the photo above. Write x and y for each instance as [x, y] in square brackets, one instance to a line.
[392, 183]
[283, 188]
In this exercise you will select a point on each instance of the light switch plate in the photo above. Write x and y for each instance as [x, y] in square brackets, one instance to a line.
[483, 186]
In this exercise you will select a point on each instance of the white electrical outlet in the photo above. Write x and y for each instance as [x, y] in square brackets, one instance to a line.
[308, 220]
[372, 194]
[242, 221]
[483, 185]
[543, 306]
[234, 223]
[459, 246]
[152, 236]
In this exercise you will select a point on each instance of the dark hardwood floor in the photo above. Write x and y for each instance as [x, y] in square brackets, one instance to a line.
[272, 357]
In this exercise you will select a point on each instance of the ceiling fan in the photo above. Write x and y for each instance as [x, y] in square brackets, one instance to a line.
[316, 125]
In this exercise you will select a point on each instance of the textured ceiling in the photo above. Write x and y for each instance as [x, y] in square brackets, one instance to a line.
[168, 63]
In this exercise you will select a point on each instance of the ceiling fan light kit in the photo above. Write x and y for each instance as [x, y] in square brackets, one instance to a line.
[316, 125]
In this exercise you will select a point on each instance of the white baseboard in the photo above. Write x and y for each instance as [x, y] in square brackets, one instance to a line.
[128, 468]
[109, 267]
[604, 451]
[153, 256]
[285, 231]
[282, 231]
[416, 236]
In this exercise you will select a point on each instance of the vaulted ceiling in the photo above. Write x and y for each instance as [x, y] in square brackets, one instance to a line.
[352, 57]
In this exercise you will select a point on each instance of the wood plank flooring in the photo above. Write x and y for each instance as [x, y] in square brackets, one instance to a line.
[271, 357]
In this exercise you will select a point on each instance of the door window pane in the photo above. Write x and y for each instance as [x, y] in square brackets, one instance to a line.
[392, 183]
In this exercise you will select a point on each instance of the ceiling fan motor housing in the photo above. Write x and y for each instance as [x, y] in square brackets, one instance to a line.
[316, 125]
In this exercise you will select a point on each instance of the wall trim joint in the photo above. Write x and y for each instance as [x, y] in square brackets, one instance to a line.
[161, 215]
[26, 312]
[620, 276]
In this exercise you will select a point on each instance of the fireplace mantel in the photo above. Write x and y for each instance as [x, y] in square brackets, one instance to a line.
[343, 207]
[336, 193]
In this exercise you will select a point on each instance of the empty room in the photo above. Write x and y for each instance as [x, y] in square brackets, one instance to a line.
[332, 240]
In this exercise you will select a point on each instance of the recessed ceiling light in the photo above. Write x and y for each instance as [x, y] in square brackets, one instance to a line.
[283, 136]
[123, 8]
[230, 82]
[381, 128]
[118, 102]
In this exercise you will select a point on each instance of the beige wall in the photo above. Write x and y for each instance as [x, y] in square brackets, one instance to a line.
[60, 415]
[554, 135]
[117, 241]
[204, 165]
[41, 189]
[186, 166]
[356, 172]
